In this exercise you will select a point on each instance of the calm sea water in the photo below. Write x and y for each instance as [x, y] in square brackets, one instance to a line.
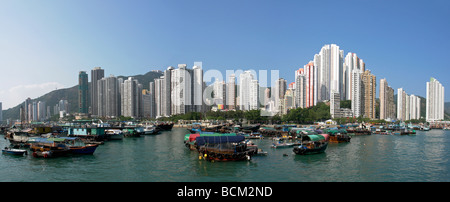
[164, 158]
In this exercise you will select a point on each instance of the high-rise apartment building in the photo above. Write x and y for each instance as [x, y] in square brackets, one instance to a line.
[96, 74]
[146, 103]
[198, 88]
[401, 104]
[152, 107]
[166, 89]
[335, 104]
[330, 71]
[280, 88]
[35, 111]
[131, 105]
[181, 90]
[369, 91]
[387, 105]
[158, 96]
[163, 100]
[110, 96]
[279, 91]
[219, 89]
[310, 71]
[357, 94]
[351, 63]
[41, 111]
[435, 100]
[83, 106]
[231, 92]
[27, 113]
[248, 91]
[300, 90]
[414, 105]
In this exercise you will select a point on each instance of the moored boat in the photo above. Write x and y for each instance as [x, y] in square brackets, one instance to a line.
[150, 130]
[19, 152]
[311, 144]
[88, 149]
[224, 148]
[190, 139]
[311, 148]
[51, 152]
[114, 134]
[164, 126]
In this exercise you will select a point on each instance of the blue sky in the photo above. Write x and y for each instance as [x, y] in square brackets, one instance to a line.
[44, 44]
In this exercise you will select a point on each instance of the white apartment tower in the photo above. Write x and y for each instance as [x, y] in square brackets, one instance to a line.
[181, 90]
[231, 92]
[248, 91]
[131, 98]
[357, 99]
[401, 104]
[197, 85]
[435, 100]
[300, 95]
[219, 92]
[351, 62]
[414, 105]
[330, 71]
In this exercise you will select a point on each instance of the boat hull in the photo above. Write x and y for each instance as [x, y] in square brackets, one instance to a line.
[116, 137]
[83, 150]
[18, 152]
[339, 139]
[50, 153]
[165, 126]
[302, 150]
[229, 156]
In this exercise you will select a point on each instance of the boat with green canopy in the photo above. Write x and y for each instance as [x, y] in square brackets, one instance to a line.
[311, 144]
[338, 135]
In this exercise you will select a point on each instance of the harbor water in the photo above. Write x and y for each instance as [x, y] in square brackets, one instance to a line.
[164, 158]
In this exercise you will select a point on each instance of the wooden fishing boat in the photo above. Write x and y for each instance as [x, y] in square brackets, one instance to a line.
[339, 138]
[311, 148]
[311, 144]
[190, 139]
[224, 148]
[88, 149]
[19, 152]
[49, 147]
[52, 152]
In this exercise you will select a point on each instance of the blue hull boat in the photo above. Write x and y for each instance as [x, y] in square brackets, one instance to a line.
[19, 152]
[88, 149]
[316, 149]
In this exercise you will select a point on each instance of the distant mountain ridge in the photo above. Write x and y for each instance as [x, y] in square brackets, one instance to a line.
[71, 95]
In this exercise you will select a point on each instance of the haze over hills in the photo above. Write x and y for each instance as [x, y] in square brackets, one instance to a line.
[71, 95]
